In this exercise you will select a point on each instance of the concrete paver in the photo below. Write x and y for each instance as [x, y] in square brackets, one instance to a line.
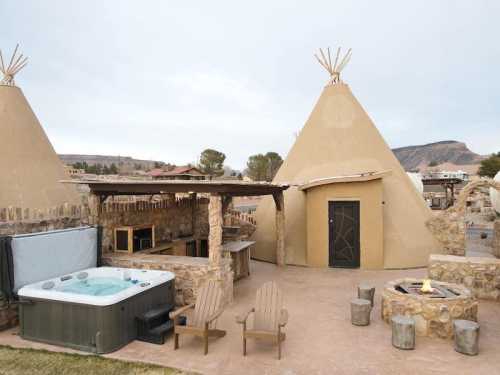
[320, 337]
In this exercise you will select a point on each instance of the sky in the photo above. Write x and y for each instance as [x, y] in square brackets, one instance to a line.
[164, 80]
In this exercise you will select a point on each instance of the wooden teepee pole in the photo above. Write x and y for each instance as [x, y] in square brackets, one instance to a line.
[16, 63]
[326, 62]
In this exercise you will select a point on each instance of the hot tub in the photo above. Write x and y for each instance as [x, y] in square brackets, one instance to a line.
[94, 309]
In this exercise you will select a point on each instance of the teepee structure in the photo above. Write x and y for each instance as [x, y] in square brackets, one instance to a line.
[30, 170]
[350, 203]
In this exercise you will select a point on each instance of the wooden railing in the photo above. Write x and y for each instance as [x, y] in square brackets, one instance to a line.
[19, 214]
[248, 218]
[149, 205]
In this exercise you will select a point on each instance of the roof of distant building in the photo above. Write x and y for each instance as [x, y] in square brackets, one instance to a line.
[182, 170]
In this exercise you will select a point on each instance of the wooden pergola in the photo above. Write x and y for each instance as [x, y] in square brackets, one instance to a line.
[221, 194]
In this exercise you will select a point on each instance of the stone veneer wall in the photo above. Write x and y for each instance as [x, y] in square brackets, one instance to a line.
[496, 238]
[171, 217]
[480, 275]
[448, 226]
[190, 272]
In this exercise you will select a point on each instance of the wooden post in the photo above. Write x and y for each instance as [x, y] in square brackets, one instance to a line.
[194, 229]
[215, 236]
[226, 202]
[95, 209]
[403, 332]
[466, 336]
[280, 228]
[360, 312]
[366, 291]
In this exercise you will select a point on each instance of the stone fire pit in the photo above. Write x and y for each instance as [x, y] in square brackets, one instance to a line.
[433, 312]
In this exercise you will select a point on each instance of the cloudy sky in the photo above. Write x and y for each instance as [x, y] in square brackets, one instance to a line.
[165, 79]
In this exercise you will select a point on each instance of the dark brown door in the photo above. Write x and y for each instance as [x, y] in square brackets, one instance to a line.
[343, 224]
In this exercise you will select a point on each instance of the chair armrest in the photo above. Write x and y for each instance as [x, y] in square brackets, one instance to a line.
[180, 311]
[210, 319]
[283, 318]
[243, 317]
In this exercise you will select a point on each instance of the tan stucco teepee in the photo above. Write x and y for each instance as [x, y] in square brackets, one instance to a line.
[30, 170]
[340, 155]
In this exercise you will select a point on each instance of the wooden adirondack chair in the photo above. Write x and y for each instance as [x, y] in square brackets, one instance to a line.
[207, 308]
[269, 317]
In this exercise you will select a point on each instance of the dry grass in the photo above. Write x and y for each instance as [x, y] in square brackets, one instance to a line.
[40, 362]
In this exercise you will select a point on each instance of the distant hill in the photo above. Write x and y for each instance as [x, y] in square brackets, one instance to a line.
[450, 152]
[124, 163]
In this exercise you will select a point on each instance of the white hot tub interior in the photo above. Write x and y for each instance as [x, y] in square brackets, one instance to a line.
[96, 286]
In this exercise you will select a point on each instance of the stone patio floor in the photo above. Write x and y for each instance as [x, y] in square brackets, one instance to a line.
[320, 337]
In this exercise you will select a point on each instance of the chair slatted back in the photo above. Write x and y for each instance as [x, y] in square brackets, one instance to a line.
[208, 302]
[268, 305]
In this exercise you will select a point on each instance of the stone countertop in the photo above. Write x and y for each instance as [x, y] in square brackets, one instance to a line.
[461, 259]
[158, 258]
[236, 246]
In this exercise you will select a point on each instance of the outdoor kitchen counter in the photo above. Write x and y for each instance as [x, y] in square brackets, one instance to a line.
[190, 272]
[240, 254]
[139, 257]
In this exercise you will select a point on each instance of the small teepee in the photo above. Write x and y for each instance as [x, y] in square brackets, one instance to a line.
[30, 169]
[339, 156]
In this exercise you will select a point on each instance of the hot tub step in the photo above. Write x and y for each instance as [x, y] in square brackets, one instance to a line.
[154, 317]
[157, 334]
[155, 313]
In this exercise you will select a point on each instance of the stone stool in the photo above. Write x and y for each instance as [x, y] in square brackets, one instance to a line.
[466, 336]
[403, 332]
[360, 312]
[366, 291]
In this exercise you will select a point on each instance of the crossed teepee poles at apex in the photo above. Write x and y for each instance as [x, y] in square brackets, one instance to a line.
[334, 70]
[16, 63]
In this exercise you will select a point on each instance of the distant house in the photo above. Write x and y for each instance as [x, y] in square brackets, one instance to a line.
[72, 171]
[178, 173]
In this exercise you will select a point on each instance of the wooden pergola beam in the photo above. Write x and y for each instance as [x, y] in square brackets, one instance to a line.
[164, 187]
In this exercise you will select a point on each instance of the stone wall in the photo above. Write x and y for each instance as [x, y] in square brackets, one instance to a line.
[21, 227]
[171, 217]
[190, 272]
[496, 238]
[449, 229]
[448, 226]
[480, 275]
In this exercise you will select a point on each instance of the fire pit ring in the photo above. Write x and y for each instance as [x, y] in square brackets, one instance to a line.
[433, 312]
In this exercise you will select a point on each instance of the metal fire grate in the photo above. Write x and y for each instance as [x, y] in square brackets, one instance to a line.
[414, 288]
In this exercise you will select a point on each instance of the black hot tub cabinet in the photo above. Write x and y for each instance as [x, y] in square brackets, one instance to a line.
[98, 324]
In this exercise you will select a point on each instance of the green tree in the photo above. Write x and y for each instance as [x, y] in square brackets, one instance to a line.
[263, 167]
[433, 163]
[80, 165]
[274, 163]
[113, 169]
[212, 162]
[490, 166]
[257, 166]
